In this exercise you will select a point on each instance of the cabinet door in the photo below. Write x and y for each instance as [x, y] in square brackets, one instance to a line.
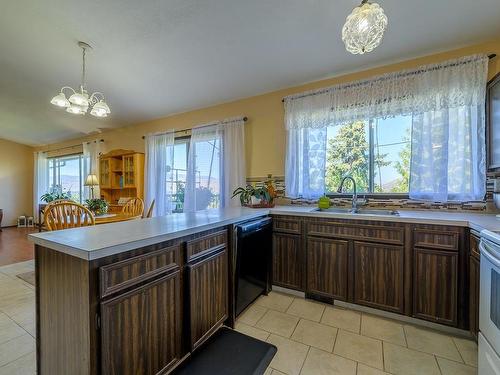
[208, 295]
[104, 173]
[288, 261]
[128, 171]
[141, 329]
[474, 295]
[327, 267]
[435, 285]
[378, 276]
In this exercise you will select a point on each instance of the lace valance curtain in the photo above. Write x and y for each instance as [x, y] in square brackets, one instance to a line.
[435, 87]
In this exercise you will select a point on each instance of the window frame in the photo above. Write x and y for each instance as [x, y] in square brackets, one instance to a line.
[371, 172]
[81, 168]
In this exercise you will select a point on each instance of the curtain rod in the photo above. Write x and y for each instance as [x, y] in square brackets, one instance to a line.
[245, 119]
[347, 85]
[73, 146]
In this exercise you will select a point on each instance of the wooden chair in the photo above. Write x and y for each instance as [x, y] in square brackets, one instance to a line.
[63, 215]
[43, 209]
[134, 207]
[150, 211]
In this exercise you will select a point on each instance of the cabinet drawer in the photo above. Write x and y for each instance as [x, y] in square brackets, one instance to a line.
[206, 244]
[379, 233]
[287, 225]
[436, 239]
[474, 247]
[120, 275]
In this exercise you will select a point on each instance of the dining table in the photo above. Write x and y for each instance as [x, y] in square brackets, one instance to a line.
[114, 218]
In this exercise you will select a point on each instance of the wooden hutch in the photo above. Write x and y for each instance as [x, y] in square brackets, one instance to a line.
[121, 175]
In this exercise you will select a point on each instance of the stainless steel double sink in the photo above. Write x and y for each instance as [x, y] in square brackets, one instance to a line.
[359, 211]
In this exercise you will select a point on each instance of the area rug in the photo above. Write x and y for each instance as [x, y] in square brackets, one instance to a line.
[29, 277]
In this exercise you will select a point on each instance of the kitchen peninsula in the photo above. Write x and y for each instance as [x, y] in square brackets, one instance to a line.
[139, 296]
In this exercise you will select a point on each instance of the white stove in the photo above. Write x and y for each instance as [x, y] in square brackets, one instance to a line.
[489, 305]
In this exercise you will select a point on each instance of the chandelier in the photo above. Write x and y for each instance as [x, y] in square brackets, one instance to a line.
[80, 101]
[364, 28]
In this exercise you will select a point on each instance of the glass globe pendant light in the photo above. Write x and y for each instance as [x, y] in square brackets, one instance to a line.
[364, 28]
[80, 101]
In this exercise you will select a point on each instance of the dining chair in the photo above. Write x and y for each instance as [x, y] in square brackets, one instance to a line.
[42, 222]
[150, 210]
[134, 207]
[63, 215]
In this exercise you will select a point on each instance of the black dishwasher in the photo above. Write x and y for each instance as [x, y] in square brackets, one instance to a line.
[252, 261]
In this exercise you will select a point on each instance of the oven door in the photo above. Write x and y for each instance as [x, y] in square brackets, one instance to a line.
[489, 300]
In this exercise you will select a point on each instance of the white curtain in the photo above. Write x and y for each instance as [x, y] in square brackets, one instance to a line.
[448, 155]
[446, 101]
[216, 165]
[91, 152]
[40, 181]
[159, 172]
[305, 163]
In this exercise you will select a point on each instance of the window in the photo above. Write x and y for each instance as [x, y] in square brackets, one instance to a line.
[207, 184]
[65, 173]
[179, 172]
[376, 153]
[207, 162]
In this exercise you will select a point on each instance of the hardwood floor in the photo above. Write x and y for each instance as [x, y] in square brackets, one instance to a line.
[15, 246]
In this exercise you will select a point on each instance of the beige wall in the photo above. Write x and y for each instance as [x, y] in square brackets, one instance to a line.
[16, 181]
[265, 132]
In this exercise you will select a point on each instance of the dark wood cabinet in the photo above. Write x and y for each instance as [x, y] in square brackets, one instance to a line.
[474, 270]
[288, 261]
[327, 267]
[474, 296]
[142, 329]
[208, 296]
[435, 285]
[378, 276]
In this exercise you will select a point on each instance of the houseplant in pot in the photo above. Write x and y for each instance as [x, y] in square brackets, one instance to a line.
[56, 193]
[97, 205]
[256, 197]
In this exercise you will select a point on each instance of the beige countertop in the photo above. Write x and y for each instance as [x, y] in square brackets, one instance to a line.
[107, 239]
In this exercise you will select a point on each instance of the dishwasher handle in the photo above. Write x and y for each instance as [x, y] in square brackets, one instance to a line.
[253, 226]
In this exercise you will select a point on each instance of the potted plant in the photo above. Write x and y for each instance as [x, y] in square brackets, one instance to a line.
[97, 205]
[56, 193]
[256, 197]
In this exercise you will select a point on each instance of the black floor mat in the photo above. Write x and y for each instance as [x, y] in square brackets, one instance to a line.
[229, 352]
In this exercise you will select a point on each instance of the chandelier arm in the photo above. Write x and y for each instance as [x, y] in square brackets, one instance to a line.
[95, 97]
[68, 88]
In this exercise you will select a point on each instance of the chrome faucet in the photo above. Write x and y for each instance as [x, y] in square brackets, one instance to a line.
[354, 193]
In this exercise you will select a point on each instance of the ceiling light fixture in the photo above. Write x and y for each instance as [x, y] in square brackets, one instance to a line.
[364, 28]
[80, 101]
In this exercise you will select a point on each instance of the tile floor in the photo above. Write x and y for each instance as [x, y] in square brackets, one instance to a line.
[312, 338]
[315, 338]
[17, 321]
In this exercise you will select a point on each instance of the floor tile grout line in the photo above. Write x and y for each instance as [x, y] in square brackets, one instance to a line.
[24, 355]
[437, 362]
[458, 350]
[305, 359]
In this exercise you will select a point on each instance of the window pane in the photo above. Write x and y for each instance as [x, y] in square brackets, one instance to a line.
[392, 148]
[347, 154]
[208, 159]
[179, 174]
[64, 175]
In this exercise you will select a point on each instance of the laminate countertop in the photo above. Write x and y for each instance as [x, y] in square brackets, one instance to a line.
[98, 241]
